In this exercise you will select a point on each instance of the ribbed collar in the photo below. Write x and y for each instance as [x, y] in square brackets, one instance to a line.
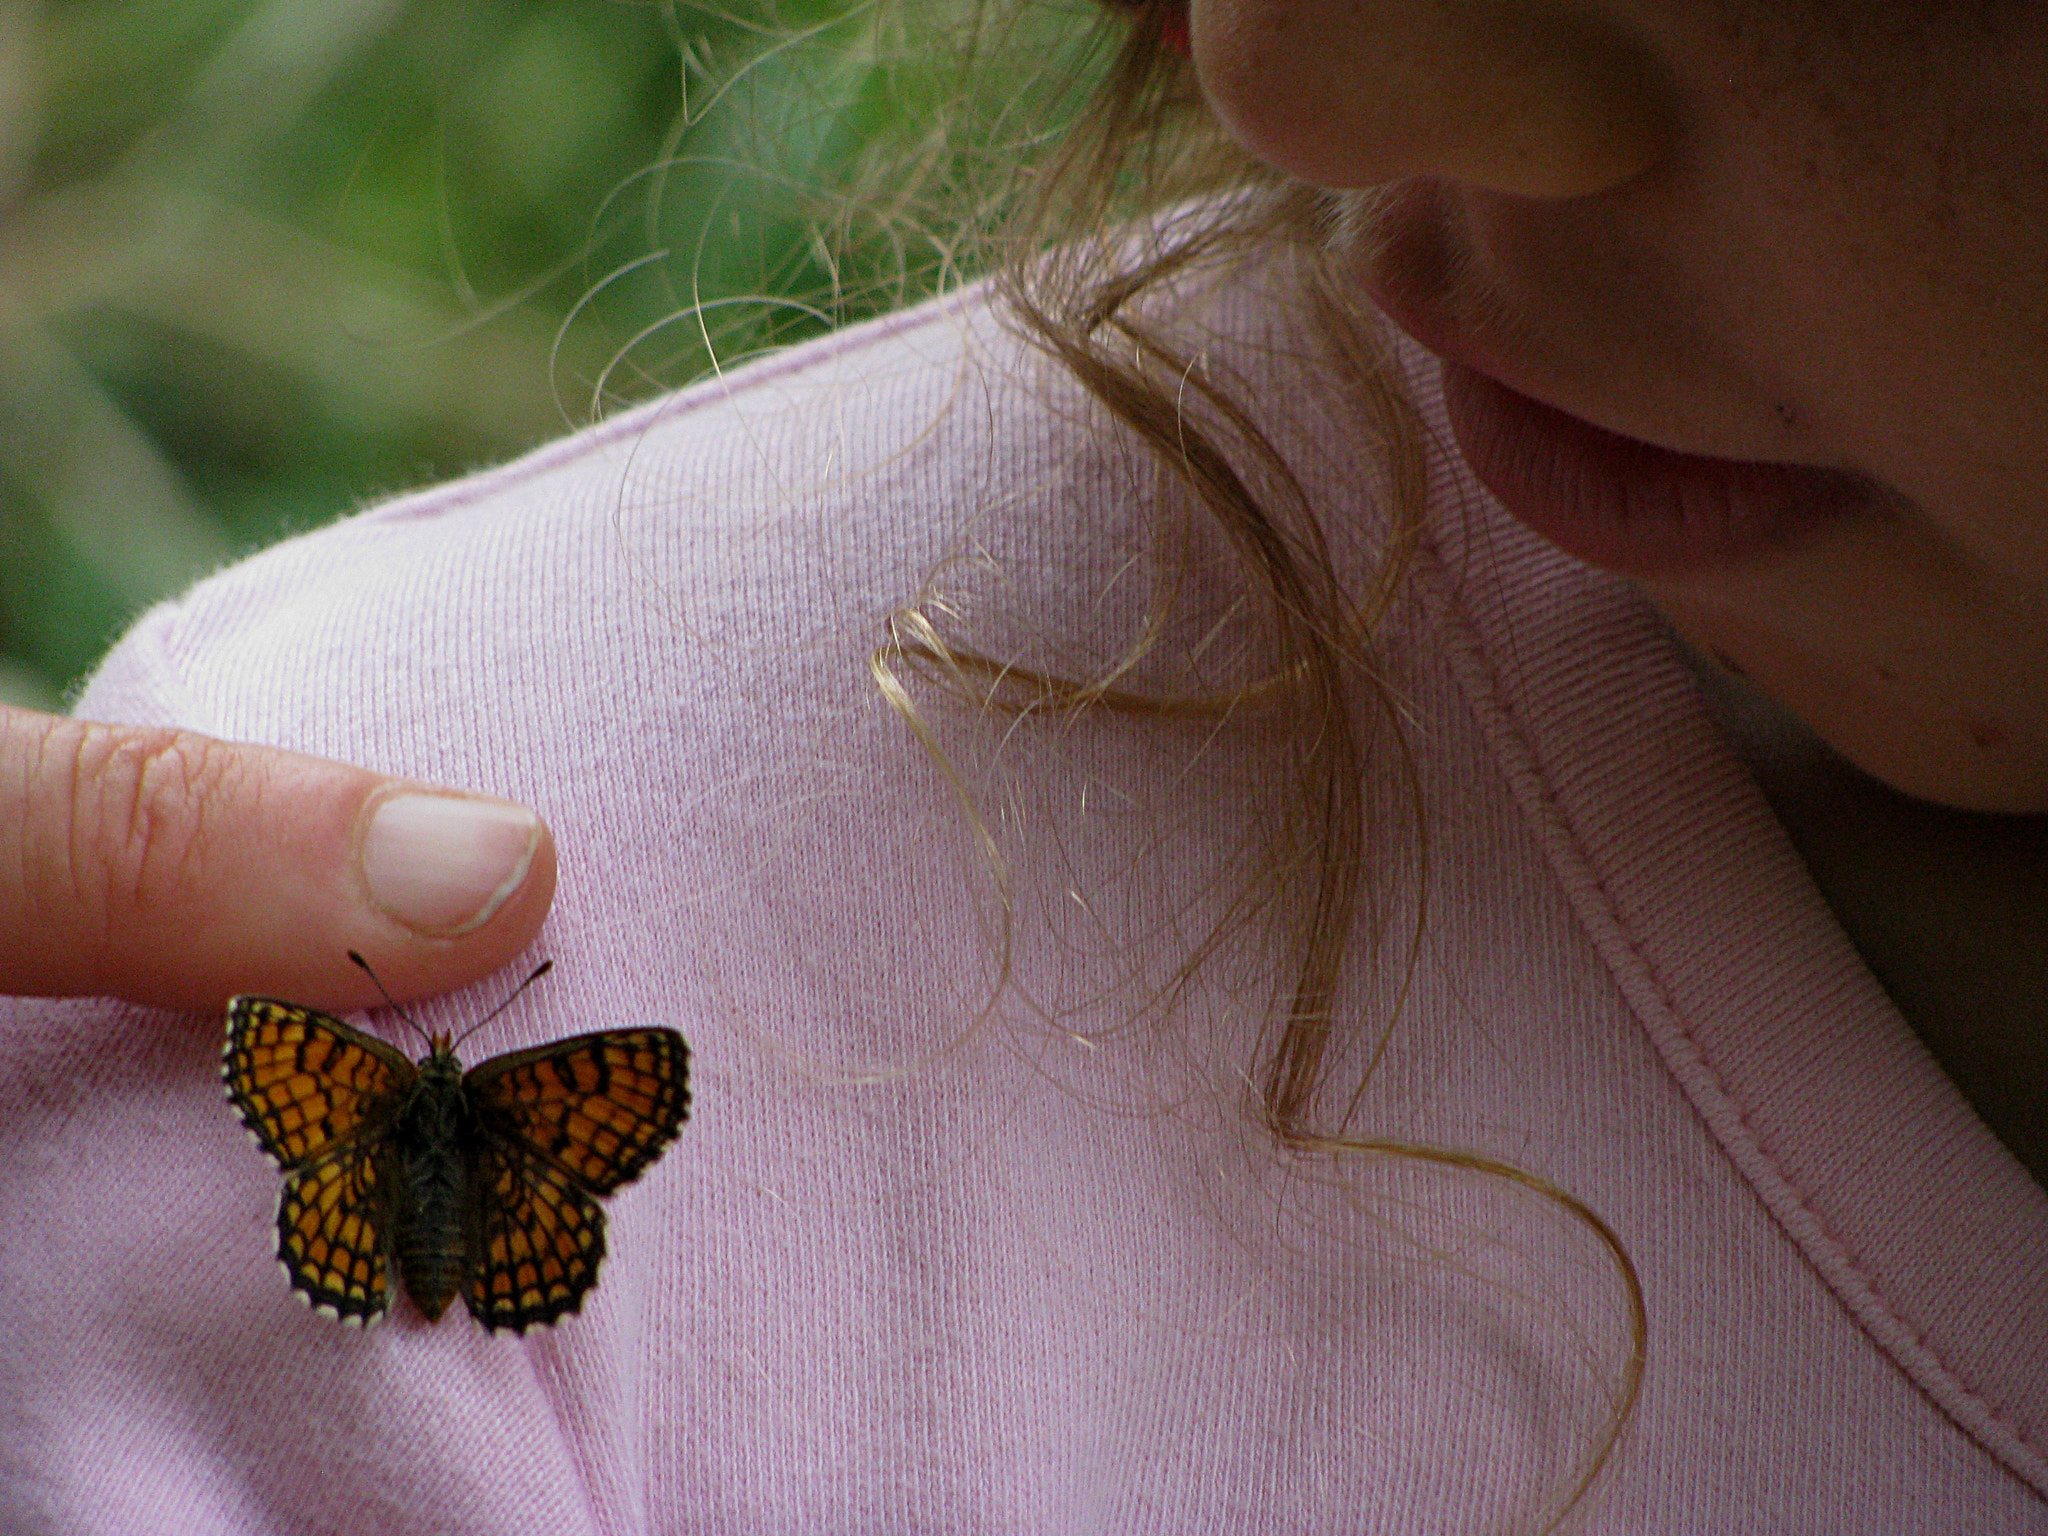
[1911, 1211]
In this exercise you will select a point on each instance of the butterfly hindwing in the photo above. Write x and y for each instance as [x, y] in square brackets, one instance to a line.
[306, 1083]
[332, 1230]
[537, 1241]
[599, 1107]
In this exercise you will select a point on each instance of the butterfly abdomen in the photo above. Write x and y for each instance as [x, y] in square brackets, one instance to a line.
[432, 1150]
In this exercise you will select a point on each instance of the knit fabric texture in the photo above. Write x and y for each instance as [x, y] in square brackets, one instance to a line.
[973, 1227]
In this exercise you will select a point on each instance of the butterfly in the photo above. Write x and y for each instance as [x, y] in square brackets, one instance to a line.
[483, 1183]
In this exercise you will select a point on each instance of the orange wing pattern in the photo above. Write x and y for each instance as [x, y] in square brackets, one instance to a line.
[305, 1082]
[539, 1242]
[600, 1107]
[330, 1235]
[536, 1137]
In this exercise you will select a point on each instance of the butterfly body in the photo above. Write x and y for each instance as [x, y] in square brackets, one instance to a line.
[482, 1184]
[431, 1183]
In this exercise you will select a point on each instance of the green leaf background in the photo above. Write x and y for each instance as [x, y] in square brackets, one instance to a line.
[264, 261]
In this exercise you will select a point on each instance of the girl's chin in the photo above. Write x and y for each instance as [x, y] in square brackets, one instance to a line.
[1625, 505]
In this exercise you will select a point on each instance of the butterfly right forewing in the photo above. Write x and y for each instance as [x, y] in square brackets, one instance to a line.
[305, 1082]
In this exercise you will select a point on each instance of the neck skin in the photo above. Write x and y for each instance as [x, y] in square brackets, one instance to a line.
[1949, 908]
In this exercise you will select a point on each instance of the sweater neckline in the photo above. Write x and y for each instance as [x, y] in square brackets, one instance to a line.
[1925, 1228]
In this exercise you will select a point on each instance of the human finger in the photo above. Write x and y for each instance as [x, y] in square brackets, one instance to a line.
[170, 868]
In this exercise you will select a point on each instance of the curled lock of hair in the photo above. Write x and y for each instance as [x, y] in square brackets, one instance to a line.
[1080, 245]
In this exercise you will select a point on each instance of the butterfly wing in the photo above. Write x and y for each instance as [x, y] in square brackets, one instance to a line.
[304, 1082]
[561, 1124]
[537, 1240]
[598, 1108]
[331, 1233]
[318, 1096]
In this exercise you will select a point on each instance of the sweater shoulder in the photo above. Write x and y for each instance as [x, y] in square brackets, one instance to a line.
[806, 495]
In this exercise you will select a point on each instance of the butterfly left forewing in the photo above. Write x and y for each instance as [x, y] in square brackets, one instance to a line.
[598, 1107]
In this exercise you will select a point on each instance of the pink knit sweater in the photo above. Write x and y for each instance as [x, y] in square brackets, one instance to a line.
[945, 1249]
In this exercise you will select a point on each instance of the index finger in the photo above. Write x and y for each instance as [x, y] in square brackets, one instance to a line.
[171, 868]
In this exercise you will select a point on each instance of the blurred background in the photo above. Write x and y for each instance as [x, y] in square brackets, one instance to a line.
[264, 261]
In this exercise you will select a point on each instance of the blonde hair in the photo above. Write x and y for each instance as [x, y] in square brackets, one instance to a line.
[1068, 217]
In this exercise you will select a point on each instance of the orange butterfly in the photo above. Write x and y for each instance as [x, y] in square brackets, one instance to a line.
[483, 1182]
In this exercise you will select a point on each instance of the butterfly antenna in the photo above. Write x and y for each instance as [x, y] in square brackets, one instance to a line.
[425, 1039]
[538, 971]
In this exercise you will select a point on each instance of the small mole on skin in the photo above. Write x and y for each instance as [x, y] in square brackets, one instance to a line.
[1987, 737]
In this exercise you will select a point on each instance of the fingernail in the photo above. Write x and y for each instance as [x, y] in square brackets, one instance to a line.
[443, 864]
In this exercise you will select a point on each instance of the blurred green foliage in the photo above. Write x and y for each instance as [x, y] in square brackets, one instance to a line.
[264, 260]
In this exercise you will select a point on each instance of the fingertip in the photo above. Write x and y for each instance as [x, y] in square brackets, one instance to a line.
[455, 887]
[435, 896]
[443, 865]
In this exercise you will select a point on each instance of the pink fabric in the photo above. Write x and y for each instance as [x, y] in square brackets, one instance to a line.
[940, 1255]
